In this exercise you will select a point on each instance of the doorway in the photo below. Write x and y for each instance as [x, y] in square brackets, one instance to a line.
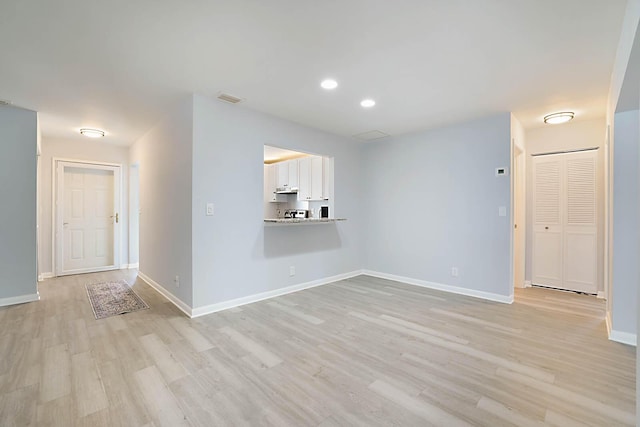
[87, 217]
[565, 233]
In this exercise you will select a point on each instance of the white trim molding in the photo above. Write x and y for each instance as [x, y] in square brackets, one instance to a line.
[601, 295]
[527, 283]
[618, 336]
[440, 287]
[165, 293]
[213, 308]
[623, 337]
[21, 299]
[57, 179]
[44, 276]
[130, 266]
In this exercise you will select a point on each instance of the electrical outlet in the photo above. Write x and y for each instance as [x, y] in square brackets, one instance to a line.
[502, 171]
[177, 281]
[454, 271]
[292, 271]
[209, 209]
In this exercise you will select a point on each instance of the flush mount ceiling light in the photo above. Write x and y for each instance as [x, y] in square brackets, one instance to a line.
[368, 103]
[556, 118]
[329, 84]
[92, 133]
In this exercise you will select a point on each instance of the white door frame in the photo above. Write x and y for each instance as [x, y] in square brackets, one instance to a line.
[56, 211]
[518, 214]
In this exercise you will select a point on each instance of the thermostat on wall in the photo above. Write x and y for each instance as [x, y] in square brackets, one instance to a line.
[502, 171]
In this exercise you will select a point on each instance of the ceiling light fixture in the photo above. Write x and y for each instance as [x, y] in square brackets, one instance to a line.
[557, 118]
[329, 84]
[368, 103]
[92, 133]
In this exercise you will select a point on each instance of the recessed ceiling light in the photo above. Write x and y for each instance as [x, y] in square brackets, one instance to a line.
[92, 133]
[556, 118]
[368, 103]
[329, 84]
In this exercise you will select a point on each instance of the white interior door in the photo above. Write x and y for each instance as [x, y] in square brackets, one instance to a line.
[87, 203]
[565, 224]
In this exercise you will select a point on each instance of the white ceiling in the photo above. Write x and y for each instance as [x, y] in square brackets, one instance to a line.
[118, 65]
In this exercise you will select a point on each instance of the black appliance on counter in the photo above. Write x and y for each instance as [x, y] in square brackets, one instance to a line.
[296, 213]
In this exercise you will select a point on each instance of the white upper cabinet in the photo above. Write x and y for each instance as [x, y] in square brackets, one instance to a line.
[287, 174]
[317, 178]
[293, 173]
[311, 178]
[304, 178]
[282, 176]
[327, 185]
[270, 184]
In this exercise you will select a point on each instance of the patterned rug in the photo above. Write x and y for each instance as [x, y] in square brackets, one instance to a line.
[112, 298]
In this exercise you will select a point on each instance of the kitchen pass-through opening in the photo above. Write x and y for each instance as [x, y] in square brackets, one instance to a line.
[297, 185]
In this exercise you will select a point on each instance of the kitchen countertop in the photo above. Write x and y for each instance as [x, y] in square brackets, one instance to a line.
[302, 220]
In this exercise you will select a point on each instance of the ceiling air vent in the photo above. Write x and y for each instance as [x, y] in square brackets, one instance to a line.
[371, 135]
[225, 97]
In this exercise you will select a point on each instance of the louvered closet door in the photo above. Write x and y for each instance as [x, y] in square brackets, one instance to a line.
[547, 221]
[565, 223]
[580, 227]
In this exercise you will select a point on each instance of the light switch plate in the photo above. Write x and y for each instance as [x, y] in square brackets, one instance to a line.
[209, 209]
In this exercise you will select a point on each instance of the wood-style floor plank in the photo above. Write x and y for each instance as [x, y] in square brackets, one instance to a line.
[87, 385]
[161, 403]
[362, 351]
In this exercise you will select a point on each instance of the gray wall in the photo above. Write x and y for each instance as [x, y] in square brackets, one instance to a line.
[432, 201]
[18, 274]
[234, 253]
[164, 157]
[626, 218]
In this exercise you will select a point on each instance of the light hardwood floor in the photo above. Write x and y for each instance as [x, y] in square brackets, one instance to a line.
[363, 351]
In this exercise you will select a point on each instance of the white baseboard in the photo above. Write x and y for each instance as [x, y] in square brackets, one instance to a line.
[208, 309]
[165, 293]
[617, 336]
[527, 283]
[43, 276]
[446, 288]
[19, 299]
[623, 337]
[129, 266]
[601, 295]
